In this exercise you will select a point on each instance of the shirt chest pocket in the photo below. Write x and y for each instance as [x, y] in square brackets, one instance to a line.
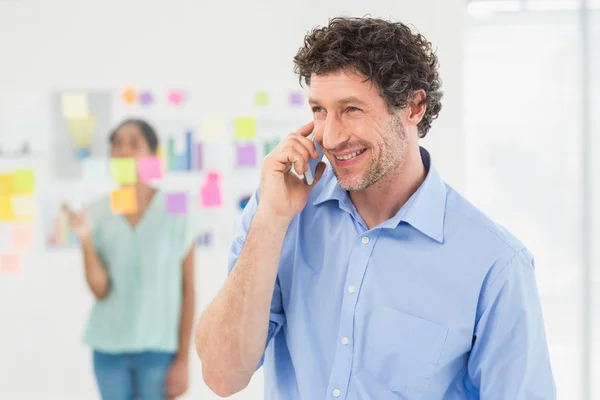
[402, 351]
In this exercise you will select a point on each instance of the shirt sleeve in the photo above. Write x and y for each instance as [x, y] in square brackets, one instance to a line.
[191, 230]
[277, 316]
[510, 358]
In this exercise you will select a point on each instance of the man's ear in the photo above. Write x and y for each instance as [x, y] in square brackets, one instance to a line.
[416, 107]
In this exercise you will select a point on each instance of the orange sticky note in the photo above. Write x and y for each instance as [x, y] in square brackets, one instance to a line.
[128, 96]
[123, 200]
[22, 237]
[10, 263]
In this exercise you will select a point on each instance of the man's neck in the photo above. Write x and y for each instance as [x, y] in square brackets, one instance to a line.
[384, 199]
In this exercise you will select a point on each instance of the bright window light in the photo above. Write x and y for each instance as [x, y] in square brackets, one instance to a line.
[483, 8]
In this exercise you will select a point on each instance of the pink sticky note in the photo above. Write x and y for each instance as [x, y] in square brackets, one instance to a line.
[22, 237]
[177, 203]
[10, 263]
[149, 169]
[210, 192]
[246, 155]
[176, 97]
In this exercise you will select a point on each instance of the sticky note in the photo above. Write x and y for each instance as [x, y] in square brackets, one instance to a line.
[261, 99]
[245, 155]
[176, 97]
[6, 209]
[6, 185]
[94, 169]
[212, 130]
[245, 128]
[22, 237]
[146, 98]
[75, 105]
[296, 98]
[149, 169]
[23, 207]
[82, 130]
[210, 192]
[23, 181]
[177, 203]
[270, 145]
[123, 170]
[123, 200]
[10, 263]
[128, 95]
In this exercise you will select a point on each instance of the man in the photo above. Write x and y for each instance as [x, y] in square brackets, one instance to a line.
[378, 281]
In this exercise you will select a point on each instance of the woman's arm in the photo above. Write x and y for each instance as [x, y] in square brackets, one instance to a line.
[187, 306]
[177, 379]
[95, 271]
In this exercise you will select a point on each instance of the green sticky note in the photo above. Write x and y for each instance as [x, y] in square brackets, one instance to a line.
[23, 181]
[245, 128]
[270, 145]
[261, 98]
[123, 170]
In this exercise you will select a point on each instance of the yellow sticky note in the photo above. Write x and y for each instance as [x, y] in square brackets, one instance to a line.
[22, 237]
[24, 181]
[123, 170]
[82, 130]
[245, 128]
[261, 98]
[6, 209]
[212, 130]
[6, 185]
[123, 200]
[10, 263]
[75, 105]
[23, 207]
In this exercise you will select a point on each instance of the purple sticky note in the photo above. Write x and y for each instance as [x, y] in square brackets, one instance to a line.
[296, 98]
[149, 169]
[246, 155]
[177, 203]
[145, 98]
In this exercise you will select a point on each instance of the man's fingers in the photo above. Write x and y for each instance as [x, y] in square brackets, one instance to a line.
[306, 130]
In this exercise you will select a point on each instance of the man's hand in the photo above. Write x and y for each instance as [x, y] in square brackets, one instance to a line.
[282, 194]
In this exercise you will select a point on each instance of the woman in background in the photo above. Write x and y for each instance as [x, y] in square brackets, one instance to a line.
[140, 268]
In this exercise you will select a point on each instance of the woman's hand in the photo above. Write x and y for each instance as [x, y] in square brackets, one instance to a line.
[177, 378]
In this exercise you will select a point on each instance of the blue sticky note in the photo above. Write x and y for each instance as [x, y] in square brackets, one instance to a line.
[95, 169]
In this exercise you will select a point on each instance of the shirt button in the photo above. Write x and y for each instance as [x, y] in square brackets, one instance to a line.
[365, 239]
[336, 393]
[351, 289]
[345, 341]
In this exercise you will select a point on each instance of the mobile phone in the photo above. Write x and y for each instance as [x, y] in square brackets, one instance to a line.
[309, 175]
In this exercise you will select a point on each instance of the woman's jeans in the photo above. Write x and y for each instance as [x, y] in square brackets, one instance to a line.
[130, 376]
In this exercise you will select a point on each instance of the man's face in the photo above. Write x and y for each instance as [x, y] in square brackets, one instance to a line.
[361, 139]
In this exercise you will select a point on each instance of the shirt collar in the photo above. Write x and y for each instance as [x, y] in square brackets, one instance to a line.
[424, 210]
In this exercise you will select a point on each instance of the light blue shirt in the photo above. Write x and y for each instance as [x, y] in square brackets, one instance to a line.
[142, 311]
[437, 302]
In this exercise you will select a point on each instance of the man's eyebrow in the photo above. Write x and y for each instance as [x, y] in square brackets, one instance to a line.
[342, 101]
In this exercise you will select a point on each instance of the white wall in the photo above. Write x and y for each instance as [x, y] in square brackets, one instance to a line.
[217, 49]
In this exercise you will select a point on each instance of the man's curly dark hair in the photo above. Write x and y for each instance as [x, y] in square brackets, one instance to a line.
[388, 54]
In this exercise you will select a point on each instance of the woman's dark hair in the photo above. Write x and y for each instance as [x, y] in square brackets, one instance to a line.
[388, 54]
[145, 128]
